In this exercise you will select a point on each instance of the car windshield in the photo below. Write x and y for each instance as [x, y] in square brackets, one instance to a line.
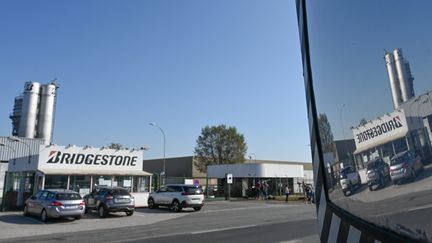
[68, 196]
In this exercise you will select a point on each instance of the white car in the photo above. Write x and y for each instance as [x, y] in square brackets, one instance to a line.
[176, 197]
[349, 180]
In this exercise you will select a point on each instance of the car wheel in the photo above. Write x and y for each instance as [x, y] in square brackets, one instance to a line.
[44, 216]
[129, 213]
[395, 182]
[25, 210]
[86, 210]
[78, 217]
[175, 206]
[345, 193]
[370, 188]
[197, 208]
[102, 212]
[382, 182]
[151, 203]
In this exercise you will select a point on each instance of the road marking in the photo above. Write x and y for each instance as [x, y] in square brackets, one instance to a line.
[419, 208]
[223, 229]
[235, 209]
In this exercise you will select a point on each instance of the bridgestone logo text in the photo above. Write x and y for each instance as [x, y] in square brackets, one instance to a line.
[376, 131]
[91, 159]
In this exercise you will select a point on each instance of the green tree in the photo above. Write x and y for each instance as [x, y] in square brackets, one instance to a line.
[219, 145]
[115, 146]
[325, 133]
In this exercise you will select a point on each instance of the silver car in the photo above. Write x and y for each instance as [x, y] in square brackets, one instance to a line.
[55, 204]
[405, 165]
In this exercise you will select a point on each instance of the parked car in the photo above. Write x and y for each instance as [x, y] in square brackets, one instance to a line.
[55, 204]
[349, 180]
[405, 165]
[377, 173]
[110, 199]
[177, 197]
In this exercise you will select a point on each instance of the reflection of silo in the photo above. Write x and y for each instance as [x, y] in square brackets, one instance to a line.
[27, 122]
[393, 78]
[402, 75]
[46, 112]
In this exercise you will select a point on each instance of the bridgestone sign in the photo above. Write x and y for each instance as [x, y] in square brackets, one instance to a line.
[82, 159]
[384, 129]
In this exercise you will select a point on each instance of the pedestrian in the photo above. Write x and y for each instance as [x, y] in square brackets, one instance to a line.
[287, 192]
[258, 189]
[265, 187]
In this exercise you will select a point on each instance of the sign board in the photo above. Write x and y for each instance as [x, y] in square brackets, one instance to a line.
[79, 159]
[196, 182]
[229, 178]
[382, 130]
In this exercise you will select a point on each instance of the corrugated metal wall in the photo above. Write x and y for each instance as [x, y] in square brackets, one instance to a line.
[19, 149]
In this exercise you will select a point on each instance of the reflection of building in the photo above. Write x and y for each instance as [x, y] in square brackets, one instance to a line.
[390, 134]
[400, 77]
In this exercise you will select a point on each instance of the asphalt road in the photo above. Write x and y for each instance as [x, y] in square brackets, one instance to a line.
[219, 221]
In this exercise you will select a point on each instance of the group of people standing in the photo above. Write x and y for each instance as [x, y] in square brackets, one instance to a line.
[260, 190]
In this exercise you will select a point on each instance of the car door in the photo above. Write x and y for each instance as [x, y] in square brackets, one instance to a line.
[39, 202]
[31, 202]
[160, 196]
[90, 199]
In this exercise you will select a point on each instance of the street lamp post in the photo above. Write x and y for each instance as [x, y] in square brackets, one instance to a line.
[164, 150]
[343, 134]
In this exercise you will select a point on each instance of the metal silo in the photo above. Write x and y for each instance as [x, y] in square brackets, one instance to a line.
[27, 124]
[16, 115]
[46, 112]
[402, 75]
[393, 79]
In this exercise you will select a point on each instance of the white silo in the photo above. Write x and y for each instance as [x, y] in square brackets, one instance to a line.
[27, 124]
[46, 111]
[393, 79]
[402, 75]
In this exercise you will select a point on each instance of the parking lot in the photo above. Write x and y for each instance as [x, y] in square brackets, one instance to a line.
[146, 224]
[14, 224]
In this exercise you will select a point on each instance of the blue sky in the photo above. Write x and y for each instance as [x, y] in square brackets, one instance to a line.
[181, 64]
[341, 36]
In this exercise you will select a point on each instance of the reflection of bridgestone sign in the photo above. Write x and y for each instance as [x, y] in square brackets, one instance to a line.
[91, 159]
[380, 129]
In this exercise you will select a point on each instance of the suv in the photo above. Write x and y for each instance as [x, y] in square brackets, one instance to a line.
[378, 173]
[405, 165]
[349, 179]
[176, 197]
[110, 199]
[55, 204]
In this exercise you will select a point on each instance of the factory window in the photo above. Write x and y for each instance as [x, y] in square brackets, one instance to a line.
[140, 184]
[102, 180]
[80, 184]
[123, 181]
[56, 181]
[400, 145]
